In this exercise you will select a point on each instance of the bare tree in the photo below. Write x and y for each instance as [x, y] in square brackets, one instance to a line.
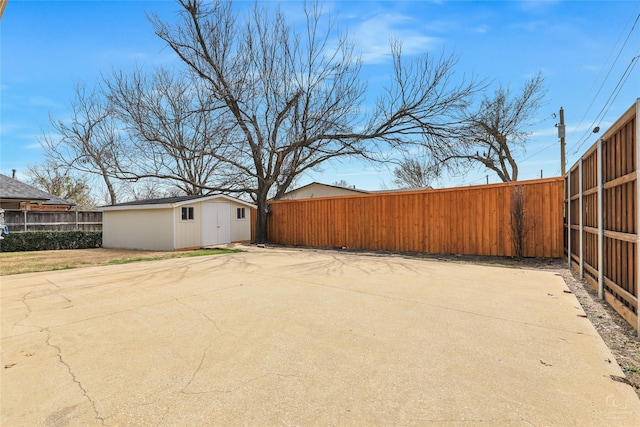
[293, 101]
[89, 142]
[497, 131]
[59, 181]
[153, 189]
[176, 131]
[416, 172]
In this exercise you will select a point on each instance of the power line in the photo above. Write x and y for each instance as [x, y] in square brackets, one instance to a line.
[607, 105]
[585, 135]
[610, 68]
[538, 152]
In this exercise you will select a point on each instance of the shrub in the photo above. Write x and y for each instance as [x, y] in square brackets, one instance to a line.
[50, 240]
[521, 224]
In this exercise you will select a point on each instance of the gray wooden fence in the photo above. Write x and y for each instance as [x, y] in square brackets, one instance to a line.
[603, 220]
[18, 221]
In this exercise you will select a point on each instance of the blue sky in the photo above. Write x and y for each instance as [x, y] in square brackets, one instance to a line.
[579, 46]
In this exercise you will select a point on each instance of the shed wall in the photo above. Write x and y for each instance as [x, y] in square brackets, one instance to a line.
[189, 232]
[150, 229]
[241, 228]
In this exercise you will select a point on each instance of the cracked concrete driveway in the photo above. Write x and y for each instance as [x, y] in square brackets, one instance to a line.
[295, 337]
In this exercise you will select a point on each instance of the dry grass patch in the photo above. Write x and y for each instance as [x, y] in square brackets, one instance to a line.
[29, 262]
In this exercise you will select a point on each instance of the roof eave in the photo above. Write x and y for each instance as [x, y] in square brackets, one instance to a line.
[136, 207]
[177, 204]
[212, 197]
[24, 199]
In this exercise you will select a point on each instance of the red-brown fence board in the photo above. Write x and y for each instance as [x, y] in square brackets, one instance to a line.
[468, 220]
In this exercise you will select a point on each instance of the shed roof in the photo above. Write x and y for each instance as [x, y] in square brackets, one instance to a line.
[160, 201]
[171, 202]
[12, 189]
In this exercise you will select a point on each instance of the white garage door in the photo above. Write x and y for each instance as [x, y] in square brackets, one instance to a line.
[216, 223]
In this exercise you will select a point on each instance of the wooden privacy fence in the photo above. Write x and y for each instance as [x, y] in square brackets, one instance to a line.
[602, 240]
[53, 221]
[467, 220]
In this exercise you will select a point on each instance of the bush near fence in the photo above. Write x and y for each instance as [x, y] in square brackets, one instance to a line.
[50, 240]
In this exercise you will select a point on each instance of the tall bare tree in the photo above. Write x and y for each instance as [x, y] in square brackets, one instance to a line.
[89, 141]
[176, 131]
[498, 131]
[153, 189]
[292, 101]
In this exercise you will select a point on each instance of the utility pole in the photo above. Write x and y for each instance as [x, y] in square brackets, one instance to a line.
[561, 133]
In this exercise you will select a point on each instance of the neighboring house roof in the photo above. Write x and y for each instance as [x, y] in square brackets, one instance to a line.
[326, 186]
[357, 190]
[12, 189]
[171, 202]
[401, 190]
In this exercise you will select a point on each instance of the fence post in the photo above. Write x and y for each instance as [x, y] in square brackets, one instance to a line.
[25, 220]
[637, 213]
[76, 220]
[581, 220]
[600, 221]
[569, 218]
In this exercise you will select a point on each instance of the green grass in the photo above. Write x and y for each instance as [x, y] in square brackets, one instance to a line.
[138, 259]
[64, 267]
[29, 262]
[171, 255]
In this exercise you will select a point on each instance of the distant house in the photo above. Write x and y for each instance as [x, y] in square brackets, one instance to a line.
[16, 195]
[176, 223]
[317, 189]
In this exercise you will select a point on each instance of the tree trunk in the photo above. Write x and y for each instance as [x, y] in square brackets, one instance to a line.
[112, 192]
[261, 223]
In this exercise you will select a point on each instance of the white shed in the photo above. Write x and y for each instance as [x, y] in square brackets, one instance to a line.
[175, 223]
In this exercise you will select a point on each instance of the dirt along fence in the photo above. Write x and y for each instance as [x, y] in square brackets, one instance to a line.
[18, 221]
[468, 220]
[602, 238]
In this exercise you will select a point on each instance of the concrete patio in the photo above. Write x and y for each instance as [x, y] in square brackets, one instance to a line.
[301, 337]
